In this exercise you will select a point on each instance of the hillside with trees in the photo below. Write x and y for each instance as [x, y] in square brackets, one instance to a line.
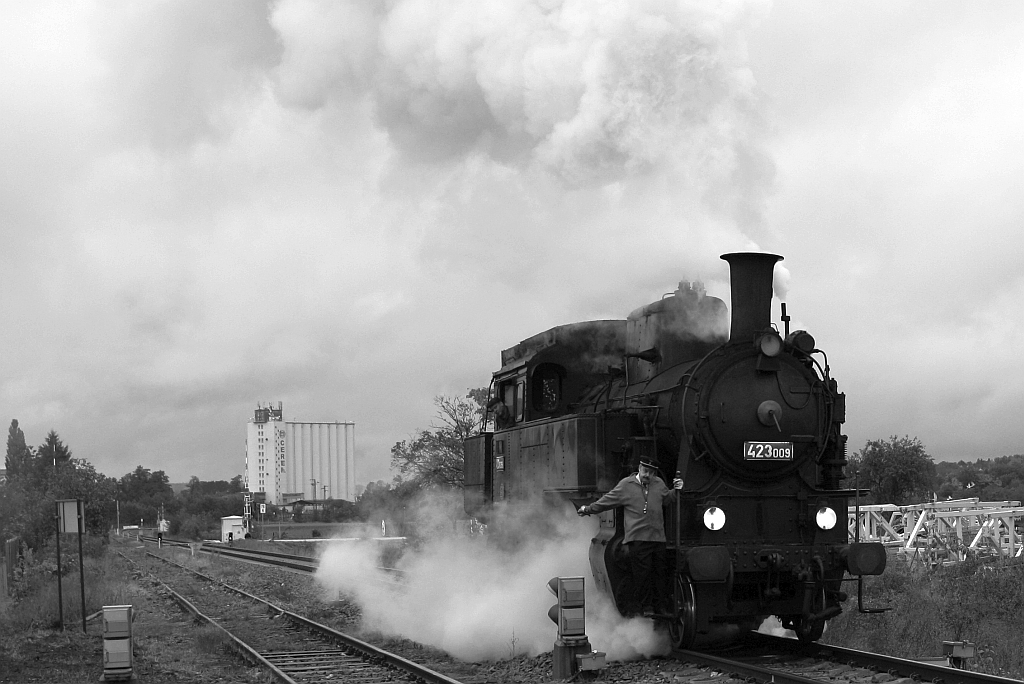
[897, 470]
[430, 460]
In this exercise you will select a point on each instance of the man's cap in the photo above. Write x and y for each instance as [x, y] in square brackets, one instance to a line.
[648, 463]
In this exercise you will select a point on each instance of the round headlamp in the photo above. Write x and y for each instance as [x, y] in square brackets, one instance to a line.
[770, 343]
[714, 518]
[825, 518]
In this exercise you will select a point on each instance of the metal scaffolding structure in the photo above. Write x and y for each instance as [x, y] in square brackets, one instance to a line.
[943, 532]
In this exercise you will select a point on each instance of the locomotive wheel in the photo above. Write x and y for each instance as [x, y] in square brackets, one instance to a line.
[683, 628]
[811, 630]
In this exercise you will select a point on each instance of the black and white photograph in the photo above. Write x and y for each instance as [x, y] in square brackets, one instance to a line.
[514, 340]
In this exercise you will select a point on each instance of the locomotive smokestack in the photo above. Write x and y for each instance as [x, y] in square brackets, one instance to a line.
[750, 275]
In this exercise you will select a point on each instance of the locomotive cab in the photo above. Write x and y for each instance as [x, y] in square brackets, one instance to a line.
[539, 450]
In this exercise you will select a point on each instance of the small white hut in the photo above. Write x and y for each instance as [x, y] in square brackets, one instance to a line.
[231, 524]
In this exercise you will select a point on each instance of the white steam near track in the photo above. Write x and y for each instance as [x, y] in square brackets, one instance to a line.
[462, 595]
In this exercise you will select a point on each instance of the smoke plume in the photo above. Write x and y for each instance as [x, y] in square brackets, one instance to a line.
[465, 596]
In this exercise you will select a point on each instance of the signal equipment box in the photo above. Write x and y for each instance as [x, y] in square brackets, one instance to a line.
[572, 652]
[118, 658]
[570, 611]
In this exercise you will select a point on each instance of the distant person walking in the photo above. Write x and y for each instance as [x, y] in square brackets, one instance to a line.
[642, 497]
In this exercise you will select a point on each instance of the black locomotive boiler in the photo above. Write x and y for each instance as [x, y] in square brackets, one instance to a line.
[747, 416]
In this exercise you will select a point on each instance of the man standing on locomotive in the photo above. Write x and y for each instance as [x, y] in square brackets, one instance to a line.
[642, 496]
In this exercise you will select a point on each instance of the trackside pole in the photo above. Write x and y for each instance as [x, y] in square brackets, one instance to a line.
[81, 559]
[60, 591]
[70, 517]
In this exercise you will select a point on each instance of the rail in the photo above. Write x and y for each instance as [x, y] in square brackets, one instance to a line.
[306, 564]
[277, 665]
[882, 663]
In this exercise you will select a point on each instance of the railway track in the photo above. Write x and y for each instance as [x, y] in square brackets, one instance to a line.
[286, 561]
[293, 648]
[765, 658]
[759, 658]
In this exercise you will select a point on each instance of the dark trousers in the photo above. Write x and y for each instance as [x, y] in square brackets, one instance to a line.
[647, 565]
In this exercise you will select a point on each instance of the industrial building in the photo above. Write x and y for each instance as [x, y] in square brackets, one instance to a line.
[288, 461]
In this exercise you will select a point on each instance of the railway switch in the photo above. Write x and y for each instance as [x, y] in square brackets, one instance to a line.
[118, 656]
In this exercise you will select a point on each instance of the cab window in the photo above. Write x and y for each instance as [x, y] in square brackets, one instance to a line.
[520, 399]
[547, 387]
[508, 395]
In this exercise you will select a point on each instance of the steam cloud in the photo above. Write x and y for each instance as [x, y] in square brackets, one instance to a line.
[591, 92]
[397, 164]
[464, 596]
[780, 282]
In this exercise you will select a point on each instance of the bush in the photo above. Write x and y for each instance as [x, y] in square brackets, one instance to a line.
[969, 601]
[35, 600]
[196, 527]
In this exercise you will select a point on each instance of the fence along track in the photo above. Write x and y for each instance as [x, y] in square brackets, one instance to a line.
[354, 661]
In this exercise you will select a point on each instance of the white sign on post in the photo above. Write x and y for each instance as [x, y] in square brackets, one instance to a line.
[69, 511]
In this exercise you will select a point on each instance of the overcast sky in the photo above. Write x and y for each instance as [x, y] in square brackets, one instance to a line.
[353, 207]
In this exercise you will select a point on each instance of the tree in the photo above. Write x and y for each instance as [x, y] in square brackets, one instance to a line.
[898, 471]
[78, 479]
[999, 479]
[142, 493]
[381, 499]
[19, 455]
[27, 509]
[434, 457]
[52, 451]
[197, 488]
[142, 484]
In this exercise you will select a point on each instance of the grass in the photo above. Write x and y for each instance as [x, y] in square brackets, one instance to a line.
[210, 639]
[30, 620]
[36, 605]
[168, 647]
[983, 604]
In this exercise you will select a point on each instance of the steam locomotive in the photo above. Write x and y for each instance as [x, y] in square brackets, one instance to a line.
[747, 416]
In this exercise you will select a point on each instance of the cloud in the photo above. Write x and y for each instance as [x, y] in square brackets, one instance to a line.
[268, 201]
[592, 93]
[209, 205]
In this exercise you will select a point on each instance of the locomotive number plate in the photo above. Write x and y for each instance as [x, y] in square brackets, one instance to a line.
[767, 451]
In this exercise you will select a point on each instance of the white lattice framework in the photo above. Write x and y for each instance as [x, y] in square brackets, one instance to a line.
[943, 531]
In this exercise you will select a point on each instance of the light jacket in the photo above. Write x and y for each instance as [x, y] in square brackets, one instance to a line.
[632, 496]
